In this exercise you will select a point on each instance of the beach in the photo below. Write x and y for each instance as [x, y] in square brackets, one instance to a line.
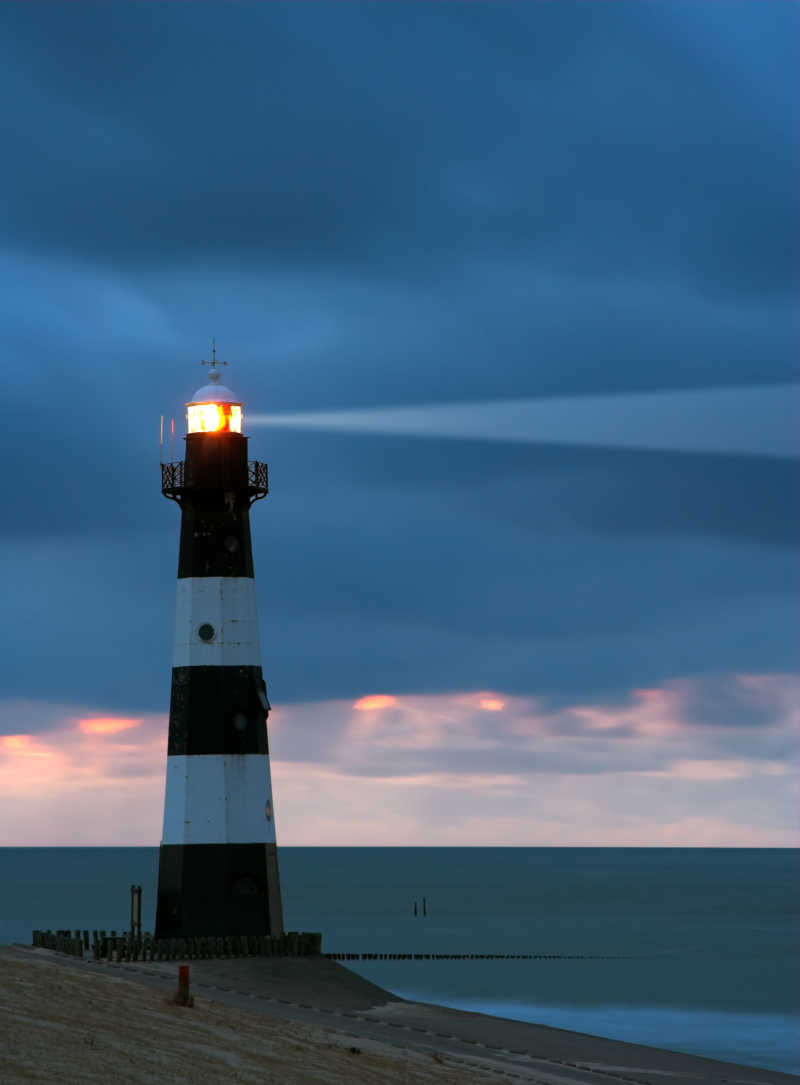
[63, 1024]
[292, 1021]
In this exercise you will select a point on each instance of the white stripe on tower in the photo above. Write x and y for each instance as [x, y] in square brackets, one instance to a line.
[228, 605]
[215, 799]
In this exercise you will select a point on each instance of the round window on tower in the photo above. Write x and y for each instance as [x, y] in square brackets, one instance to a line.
[205, 632]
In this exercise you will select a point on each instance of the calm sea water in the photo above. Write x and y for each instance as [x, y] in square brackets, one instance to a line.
[711, 936]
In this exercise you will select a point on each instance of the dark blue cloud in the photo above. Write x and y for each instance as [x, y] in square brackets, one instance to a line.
[380, 204]
[402, 141]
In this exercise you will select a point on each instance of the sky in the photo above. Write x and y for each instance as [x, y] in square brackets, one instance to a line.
[586, 635]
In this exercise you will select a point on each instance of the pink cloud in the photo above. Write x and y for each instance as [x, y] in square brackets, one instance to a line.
[19, 744]
[374, 701]
[107, 725]
[442, 769]
[68, 784]
[318, 806]
[648, 694]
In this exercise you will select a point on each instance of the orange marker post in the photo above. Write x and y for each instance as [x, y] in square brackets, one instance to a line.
[182, 996]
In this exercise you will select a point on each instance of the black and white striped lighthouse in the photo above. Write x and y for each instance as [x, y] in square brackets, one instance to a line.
[218, 865]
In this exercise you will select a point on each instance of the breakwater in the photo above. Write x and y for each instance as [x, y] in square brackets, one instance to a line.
[102, 945]
[479, 957]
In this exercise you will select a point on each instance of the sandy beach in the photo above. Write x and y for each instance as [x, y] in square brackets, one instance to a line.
[59, 1024]
[292, 1021]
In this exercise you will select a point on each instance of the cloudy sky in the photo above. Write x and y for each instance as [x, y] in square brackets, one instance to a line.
[588, 639]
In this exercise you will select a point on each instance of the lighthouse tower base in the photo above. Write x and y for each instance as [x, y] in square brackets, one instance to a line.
[217, 890]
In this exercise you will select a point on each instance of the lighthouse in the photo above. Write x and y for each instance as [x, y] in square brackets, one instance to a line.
[218, 864]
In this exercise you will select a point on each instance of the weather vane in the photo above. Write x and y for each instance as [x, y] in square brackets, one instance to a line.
[213, 365]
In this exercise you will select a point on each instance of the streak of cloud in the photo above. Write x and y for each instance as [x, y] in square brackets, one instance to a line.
[374, 702]
[107, 725]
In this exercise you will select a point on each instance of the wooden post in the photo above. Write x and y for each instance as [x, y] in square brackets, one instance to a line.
[182, 995]
[136, 912]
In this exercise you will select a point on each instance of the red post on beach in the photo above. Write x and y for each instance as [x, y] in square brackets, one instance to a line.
[183, 997]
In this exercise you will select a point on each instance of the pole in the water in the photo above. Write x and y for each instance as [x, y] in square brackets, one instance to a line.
[136, 911]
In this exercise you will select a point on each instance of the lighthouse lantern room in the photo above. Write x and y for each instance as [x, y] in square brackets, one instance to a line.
[213, 409]
[218, 865]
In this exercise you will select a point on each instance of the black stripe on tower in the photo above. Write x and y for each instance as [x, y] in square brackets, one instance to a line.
[218, 890]
[218, 710]
[215, 522]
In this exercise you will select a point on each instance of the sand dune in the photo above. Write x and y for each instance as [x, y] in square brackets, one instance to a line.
[58, 1024]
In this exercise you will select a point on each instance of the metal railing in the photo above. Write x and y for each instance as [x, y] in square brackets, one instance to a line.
[173, 480]
[258, 480]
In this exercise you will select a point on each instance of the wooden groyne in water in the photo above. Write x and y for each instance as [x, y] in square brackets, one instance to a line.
[125, 947]
[479, 957]
[111, 946]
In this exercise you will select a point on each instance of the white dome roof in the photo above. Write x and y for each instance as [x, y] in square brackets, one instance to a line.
[214, 393]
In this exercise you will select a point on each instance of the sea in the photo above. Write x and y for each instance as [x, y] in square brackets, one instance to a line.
[691, 949]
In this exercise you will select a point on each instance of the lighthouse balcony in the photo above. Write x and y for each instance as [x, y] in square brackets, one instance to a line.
[176, 481]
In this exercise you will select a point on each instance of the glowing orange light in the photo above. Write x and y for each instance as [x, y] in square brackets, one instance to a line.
[107, 725]
[492, 704]
[374, 701]
[214, 418]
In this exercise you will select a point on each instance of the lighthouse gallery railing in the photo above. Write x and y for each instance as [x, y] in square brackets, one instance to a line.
[173, 480]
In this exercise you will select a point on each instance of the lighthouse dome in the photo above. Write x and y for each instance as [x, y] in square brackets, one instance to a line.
[214, 393]
[214, 409]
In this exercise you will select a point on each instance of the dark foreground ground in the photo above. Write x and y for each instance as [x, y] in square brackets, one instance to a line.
[248, 1010]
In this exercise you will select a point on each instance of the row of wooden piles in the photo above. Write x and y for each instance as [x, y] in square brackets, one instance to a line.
[111, 946]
